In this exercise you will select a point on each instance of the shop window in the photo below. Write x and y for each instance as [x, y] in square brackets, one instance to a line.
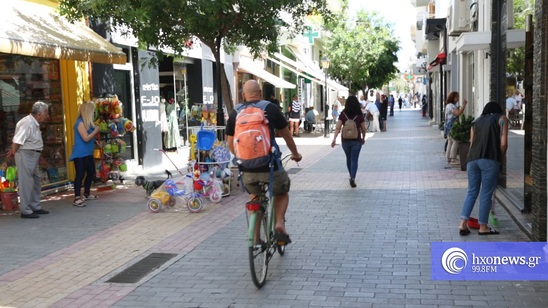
[23, 81]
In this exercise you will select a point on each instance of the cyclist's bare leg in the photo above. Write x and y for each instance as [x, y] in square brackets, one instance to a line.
[281, 203]
[257, 223]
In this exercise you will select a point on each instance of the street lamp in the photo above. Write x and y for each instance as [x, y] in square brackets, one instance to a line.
[325, 66]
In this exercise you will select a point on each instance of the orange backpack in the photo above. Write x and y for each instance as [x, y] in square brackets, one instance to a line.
[252, 138]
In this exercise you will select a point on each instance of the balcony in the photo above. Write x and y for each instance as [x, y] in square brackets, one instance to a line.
[433, 28]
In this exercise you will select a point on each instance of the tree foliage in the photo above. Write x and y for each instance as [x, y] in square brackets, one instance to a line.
[217, 24]
[516, 62]
[362, 54]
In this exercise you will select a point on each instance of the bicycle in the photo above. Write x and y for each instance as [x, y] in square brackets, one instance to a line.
[262, 243]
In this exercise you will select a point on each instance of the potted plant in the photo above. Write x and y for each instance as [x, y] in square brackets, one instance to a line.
[460, 132]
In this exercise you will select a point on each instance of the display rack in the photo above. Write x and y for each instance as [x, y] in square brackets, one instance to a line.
[110, 150]
[210, 154]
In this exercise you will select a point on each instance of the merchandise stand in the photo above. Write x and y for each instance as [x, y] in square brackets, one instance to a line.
[109, 149]
[210, 156]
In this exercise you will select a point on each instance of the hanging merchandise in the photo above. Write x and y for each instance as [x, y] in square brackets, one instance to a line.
[109, 149]
[209, 159]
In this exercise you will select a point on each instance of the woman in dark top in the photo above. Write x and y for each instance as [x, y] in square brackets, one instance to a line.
[352, 147]
[488, 144]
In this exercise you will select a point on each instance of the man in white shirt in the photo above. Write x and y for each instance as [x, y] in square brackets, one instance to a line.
[518, 99]
[373, 110]
[27, 147]
[511, 105]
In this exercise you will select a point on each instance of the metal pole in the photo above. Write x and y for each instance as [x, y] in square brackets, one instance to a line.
[326, 108]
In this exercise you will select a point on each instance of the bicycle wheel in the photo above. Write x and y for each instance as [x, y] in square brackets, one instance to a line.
[154, 205]
[258, 260]
[194, 204]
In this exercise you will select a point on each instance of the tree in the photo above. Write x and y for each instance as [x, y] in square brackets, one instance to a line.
[362, 54]
[216, 23]
[516, 62]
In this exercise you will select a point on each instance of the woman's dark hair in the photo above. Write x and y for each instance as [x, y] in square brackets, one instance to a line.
[491, 107]
[352, 107]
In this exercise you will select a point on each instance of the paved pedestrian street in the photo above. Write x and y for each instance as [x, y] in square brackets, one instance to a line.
[352, 247]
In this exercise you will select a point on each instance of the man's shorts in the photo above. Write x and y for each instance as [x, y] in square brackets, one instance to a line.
[282, 182]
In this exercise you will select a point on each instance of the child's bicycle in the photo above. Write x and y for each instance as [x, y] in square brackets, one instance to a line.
[261, 235]
[169, 194]
[212, 188]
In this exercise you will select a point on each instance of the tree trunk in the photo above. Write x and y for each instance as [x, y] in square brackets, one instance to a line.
[463, 153]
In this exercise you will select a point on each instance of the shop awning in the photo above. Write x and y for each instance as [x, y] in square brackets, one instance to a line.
[440, 59]
[37, 30]
[256, 69]
[308, 68]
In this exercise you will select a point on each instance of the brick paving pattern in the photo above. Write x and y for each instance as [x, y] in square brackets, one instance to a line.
[362, 247]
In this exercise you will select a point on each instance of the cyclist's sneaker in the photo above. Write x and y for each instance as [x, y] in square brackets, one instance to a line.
[282, 239]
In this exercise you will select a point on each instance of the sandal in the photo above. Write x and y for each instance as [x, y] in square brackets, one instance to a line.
[491, 231]
[464, 232]
[90, 197]
[79, 202]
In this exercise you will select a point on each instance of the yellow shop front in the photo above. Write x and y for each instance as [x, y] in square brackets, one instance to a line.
[44, 57]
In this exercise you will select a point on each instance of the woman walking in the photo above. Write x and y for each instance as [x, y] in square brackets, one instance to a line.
[82, 153]
[489, 141]
[352, 147]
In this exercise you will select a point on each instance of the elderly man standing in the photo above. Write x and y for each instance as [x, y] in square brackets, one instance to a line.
[26, 147]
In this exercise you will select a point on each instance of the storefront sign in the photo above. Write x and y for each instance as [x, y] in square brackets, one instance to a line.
[207, 82]
[149, 97]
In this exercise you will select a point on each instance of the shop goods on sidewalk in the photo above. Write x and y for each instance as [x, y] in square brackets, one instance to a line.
[206, 176]
[110, 149]
[8, 192]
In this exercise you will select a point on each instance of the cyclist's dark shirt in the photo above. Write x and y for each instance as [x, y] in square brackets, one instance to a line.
[276, 120]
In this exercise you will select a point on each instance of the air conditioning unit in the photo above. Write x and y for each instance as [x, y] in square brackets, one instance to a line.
[457, 19]
[473, 10]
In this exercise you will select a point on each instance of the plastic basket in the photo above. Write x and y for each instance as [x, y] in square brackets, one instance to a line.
[10, 201]
[205, 140]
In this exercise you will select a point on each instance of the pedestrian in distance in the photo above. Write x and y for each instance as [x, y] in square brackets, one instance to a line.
[400, 102]
[82, 153]
[351, 146]
[334, 116]
[424, 105]
[378, 103]
[384, 111]
[452, 113]
[27, 145]
[275, 101]
[294, 116]
[371, 109]
[250, 177]
[488, 145]
[310, 118]
[391, 102]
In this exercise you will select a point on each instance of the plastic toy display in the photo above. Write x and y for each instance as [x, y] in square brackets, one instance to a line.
[109, 151]
[206, 177]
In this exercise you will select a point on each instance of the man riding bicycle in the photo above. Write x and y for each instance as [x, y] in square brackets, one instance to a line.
[280, 187]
